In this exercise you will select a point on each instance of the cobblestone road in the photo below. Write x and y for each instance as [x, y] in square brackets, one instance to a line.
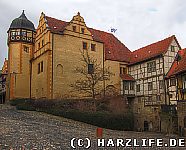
[25, 130]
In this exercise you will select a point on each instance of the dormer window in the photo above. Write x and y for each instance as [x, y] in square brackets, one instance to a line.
[74, 28]
[82, 30]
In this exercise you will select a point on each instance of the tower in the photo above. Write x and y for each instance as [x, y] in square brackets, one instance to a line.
[21, 38]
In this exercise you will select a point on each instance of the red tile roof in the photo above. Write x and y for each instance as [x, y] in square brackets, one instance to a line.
[175, 64]
[152, 50]
[127, 77]
[55, 25]
[178, 66]
[114, 49]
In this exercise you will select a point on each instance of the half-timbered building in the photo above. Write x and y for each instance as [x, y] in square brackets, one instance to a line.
[149, 66]
[178, 72]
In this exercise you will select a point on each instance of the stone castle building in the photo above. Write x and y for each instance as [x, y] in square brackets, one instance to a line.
[41, 64]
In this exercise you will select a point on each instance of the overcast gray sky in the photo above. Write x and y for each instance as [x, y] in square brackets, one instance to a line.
[138, 22]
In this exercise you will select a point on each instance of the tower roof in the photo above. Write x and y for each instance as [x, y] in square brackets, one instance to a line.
[22, 23]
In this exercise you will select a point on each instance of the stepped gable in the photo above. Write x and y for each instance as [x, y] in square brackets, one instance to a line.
[152, 50]
[114, 49]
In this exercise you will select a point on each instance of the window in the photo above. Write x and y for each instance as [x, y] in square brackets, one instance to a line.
[59, 70]
[138, 87]
[131, 85]
[17, 32]
[172, 48]
[39, 45]
[158, 97]
[74, 28]
[172, 82]
[170, 95]
[150, 86]
[40, 67]
[82, 30]
[13, 33]
[123, 70]
[23, 33]
[161, 84]
[184, 81]
[126, 85]
[43, 43]
[151, 66]
[90, 68]
[150, 98]
[84, 45]
[184, 85]
[26, 49]
[93, 47]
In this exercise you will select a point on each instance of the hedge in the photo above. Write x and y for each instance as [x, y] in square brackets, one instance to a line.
[99, 118]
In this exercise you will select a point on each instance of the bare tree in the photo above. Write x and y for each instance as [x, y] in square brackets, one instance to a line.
[93, 75]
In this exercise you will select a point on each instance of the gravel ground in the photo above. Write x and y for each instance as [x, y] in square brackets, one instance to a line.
[27, 130]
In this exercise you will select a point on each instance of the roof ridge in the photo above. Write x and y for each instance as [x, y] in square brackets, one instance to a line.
[99, 30]
[111, 35]
[154, 43]
[57, 19]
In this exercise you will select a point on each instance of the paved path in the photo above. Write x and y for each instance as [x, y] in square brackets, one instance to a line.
[39, 131]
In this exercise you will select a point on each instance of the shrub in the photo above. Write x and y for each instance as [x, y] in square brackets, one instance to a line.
[79, 110]
[102, 119]
[25, 106]
[15, 102]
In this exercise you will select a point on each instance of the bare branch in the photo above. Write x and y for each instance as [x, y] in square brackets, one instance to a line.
[90, 83]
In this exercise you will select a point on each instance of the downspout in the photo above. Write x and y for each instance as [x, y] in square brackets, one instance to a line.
[31, 60]
[30, 78]
[52, 65]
